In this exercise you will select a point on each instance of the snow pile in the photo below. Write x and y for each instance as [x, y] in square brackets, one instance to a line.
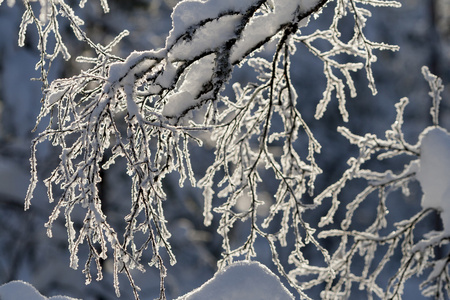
[15, 290]
[241, 280]
[434, 172]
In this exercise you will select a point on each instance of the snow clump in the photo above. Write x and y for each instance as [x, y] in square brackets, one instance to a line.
[434, 172]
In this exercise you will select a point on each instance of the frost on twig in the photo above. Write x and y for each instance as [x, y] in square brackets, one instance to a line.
[436, 88]
[165, 96]
[358, 46]
[429, 165]
[47, 17]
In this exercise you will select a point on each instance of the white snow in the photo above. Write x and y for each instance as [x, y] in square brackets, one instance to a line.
[266, 26]
[16, 290]
[210, 23]
[178, 103]
[307, 5]
[191, 12]
[241, 280]
[208, 37]
[138, 61]
[186, 96]
[165, 80]
[434, 171]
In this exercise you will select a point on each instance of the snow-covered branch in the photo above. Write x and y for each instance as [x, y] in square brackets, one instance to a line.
[154, 91]
[150, 108]
[429, 165]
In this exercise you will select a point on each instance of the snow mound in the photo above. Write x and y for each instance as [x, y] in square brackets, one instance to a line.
[241, 280]
[434, 172]
[15, 290]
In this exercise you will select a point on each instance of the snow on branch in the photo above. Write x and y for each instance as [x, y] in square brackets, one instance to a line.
[146, 109]
[429, 165]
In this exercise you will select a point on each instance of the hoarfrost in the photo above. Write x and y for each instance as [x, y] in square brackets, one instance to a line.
[139, 109]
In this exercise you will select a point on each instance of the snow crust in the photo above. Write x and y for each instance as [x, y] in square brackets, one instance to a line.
[241, 280]
[16, 290]
[434, 172]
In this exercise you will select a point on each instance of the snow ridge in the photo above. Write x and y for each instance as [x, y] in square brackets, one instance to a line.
[248, 280]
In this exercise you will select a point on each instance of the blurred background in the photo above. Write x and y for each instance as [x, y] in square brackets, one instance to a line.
[422, 30]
